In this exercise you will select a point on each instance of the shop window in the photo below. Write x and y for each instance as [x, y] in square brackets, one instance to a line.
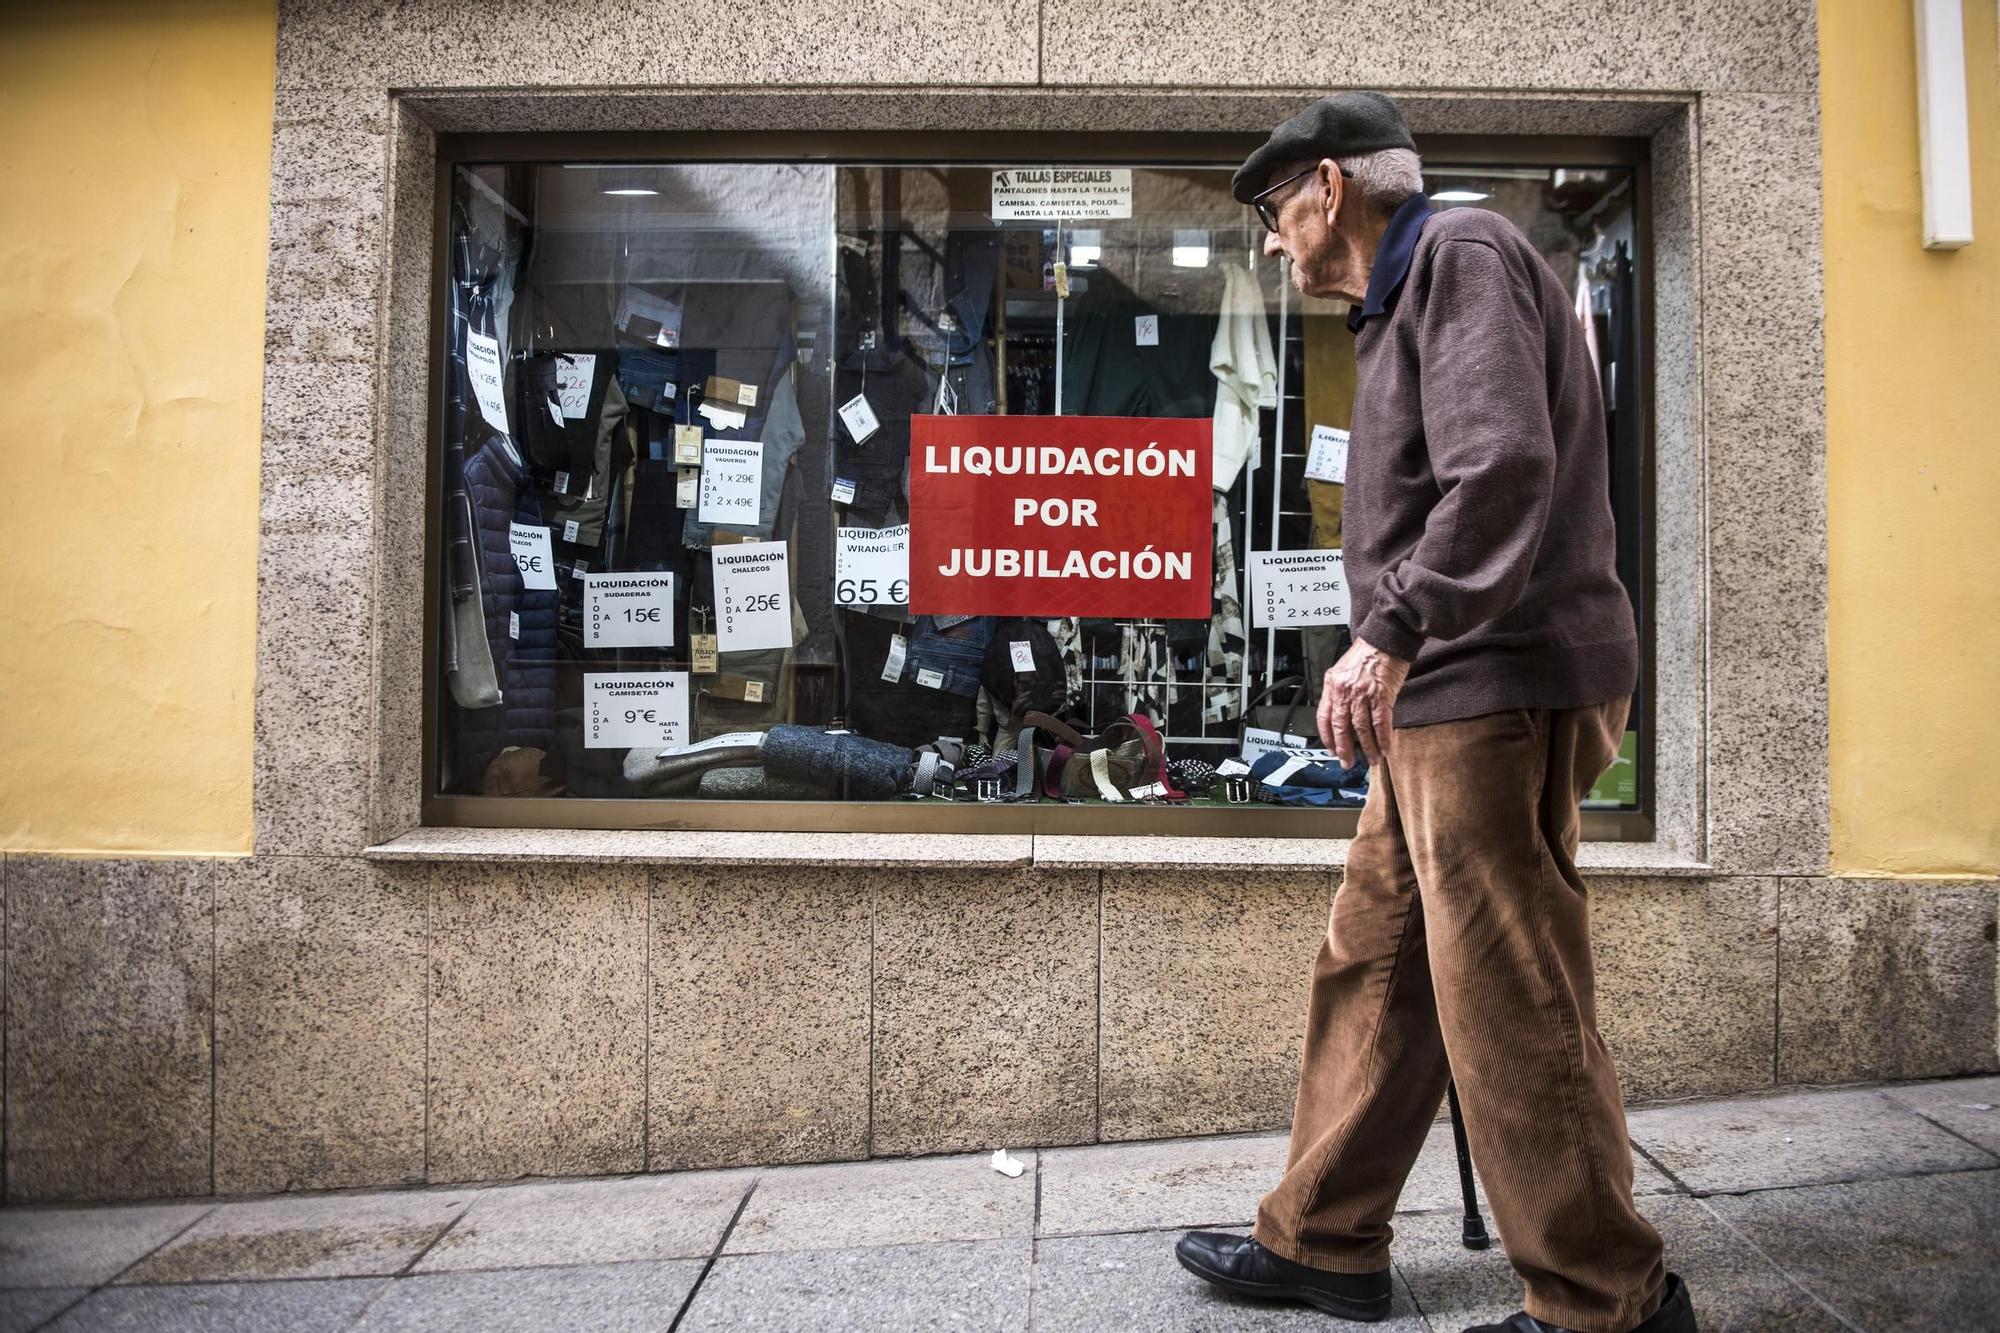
[722, 448]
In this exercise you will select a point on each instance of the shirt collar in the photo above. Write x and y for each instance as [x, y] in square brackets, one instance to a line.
[1392, 258]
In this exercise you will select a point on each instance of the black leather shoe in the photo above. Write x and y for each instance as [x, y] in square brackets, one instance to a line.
[1241, 1265]
[1675, 1315]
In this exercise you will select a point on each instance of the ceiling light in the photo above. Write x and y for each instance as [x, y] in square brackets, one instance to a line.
[633, 193]
[1190, 248]
[1086, 246]
[1459, 196]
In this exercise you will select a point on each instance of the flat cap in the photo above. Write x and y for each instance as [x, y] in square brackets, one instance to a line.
[1343, 126]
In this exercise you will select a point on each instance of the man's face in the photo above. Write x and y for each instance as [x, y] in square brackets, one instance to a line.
[1308, 209]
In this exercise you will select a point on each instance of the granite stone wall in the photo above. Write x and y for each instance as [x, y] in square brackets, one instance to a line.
[368, 1002]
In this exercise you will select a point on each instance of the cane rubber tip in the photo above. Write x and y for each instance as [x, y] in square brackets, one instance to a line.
[1475, 1235]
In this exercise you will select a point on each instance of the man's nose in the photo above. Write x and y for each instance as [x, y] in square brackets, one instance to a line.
[1271, 246]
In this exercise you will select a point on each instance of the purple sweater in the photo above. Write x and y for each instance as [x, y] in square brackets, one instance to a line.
[1477, 518]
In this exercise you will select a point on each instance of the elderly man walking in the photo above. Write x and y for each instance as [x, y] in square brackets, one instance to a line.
[1493, 665]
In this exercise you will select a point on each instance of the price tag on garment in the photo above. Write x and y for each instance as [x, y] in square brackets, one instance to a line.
[561, 483]
[1276, 777]
[514, 624]
[753, 593]
[929, 679]
[1258, 742]
[623, 711]
[1326, 457]
[572, 530]
[871, 566]
[554, 404]
[687, 488]
[723, 418]
[574, 373]
[687, 446]
[701, 648]
[532, 555]
[1290, 588]
[843, 491]
[899, 648]
[753, 691]
[482, 367]
[628, 610]
[732, 482]
[1023, 654]
[859, 418]
[578, 570]
[1146, 330]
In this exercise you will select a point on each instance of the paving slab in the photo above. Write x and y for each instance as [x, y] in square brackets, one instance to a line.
[1968, 1107]
[901, 1202]
[1132, 1281]
[1733, 1288]
[885, 1289]
[83, 1247]
[319, 1306]
[1813, 1138]
[31, 1307]
[605, 1298]
[1171, 1183]
[648, 1218]
[1433, 1181]
[1917, 1253]
[326, 1235]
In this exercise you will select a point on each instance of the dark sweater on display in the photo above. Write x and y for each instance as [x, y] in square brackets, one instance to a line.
[1477, 519]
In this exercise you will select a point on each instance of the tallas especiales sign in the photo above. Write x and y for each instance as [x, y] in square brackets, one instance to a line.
[1060, 516]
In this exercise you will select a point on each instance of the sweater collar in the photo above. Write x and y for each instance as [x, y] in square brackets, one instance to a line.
[1392, 258]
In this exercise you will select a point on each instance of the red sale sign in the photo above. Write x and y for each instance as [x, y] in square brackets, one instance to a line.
[1060, 516]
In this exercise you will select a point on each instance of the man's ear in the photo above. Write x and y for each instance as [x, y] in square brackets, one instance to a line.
[1332, 189]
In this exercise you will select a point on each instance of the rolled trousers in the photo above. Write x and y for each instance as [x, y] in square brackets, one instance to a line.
[1459, 947]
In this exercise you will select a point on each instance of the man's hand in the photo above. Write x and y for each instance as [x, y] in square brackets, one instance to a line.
[1358, 702]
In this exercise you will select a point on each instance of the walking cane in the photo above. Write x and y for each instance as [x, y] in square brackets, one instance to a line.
[1475, 1226]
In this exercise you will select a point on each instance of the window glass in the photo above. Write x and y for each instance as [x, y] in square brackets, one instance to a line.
[980, 483]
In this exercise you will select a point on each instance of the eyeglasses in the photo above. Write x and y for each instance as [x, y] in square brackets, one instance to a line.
[1267, 211]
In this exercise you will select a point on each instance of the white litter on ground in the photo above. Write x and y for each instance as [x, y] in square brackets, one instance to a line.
[1005, 1165]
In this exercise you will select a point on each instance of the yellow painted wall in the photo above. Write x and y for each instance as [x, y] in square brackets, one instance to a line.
[1913, 461]
[135, 151]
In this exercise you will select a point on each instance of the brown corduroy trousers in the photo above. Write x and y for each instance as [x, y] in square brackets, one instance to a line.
[1460, 948]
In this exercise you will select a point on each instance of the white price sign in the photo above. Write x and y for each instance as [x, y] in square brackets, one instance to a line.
[574, 372]
[871, 566]
[1258, 742]
[732, 482]
[482, 366]
[628, 610]
[1052, 194]
[753, 594]
[1290, 588]
[537, 562]
[623, 711]
[1326, 459]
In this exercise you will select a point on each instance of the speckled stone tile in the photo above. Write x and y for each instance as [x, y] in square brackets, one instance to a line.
[319, 1022]
[1214, 858]
[21, 1311]
[759, 1018]
[898, 1202]
[312, 734]
[330, 142]
[675, 1216]
[319, 1306]
[1924, 1245]
[85, 1247]
[985, 1010]
[1206, 976]
[110, 992]
[1623, 44]
[329, 1235]
[632, 1297]
[891, 1289]
[1433, 1184]
[1687, 976]
[1759, 45]
[542, 42]
[1088, 1283]
[1885, 979]
[1731, 1287]
[537, 1021]
[1810, 1138]
[1765, 443]
[1968, 1107]
[715, 847]
[1209, 1182]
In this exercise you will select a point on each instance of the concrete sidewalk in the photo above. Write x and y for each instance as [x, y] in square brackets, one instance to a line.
[1871, 1208]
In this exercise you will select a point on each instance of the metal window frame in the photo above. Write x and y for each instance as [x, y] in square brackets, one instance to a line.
[972, 148]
